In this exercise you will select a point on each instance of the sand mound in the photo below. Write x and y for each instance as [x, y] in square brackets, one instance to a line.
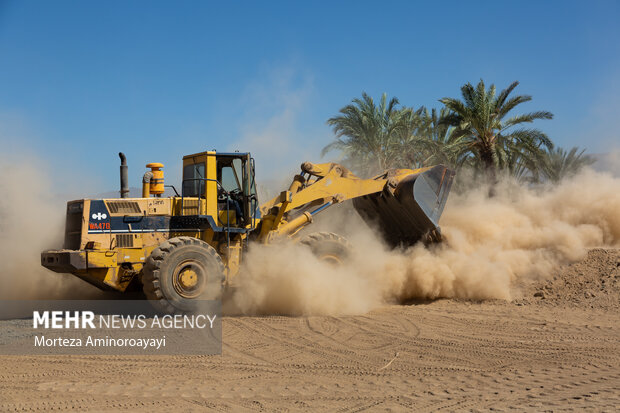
[592, 282]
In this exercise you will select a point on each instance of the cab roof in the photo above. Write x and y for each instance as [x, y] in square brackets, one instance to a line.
[239, 154]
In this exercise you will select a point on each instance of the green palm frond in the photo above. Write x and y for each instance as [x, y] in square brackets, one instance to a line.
[560, 164]
[527, 118]
[501, 98]
[475, 131]
[491, 142]
[370, 133]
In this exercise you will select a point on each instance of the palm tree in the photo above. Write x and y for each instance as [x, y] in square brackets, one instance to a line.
[523, 166]
[409, 146]
[436, 140]
[368, 134]
[560, 164]
[485, 132]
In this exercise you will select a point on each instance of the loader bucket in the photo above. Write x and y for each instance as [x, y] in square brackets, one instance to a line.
[409, 212]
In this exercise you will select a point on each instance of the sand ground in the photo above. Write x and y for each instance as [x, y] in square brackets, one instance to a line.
[556, 351]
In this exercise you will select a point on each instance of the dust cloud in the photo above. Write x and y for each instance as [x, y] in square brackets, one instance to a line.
[31, 220]
[493, 246]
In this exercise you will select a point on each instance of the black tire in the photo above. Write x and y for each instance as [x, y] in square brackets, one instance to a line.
[329, 247]
[180, 272]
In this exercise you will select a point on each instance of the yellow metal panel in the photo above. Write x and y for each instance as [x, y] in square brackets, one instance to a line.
[159, 206]
[85, 218]
[101, 258]
[130, 255]
[231, 256]
[196, 155]
[223, 218]
[211, 187]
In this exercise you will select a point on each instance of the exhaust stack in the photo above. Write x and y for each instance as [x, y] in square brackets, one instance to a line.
[124, 179]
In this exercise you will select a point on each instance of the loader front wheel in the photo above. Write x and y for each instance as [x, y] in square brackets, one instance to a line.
[328, 247]
[180, 272]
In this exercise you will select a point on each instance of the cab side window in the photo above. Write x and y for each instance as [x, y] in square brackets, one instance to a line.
[193, 183]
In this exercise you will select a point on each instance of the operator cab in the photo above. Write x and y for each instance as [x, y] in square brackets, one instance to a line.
[226, 181]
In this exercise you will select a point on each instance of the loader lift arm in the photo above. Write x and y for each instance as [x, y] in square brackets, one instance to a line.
[322, 185]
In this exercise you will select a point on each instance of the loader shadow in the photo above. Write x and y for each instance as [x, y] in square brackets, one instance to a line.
[419, 301]
[427, 301]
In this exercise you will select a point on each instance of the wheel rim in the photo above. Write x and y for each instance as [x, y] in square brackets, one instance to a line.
[331, 259]
[188, 279]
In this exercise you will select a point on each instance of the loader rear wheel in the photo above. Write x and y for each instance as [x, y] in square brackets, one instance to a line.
[180, 272]
[329, 247]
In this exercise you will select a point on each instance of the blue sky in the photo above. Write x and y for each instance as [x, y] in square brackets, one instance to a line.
[80, 81]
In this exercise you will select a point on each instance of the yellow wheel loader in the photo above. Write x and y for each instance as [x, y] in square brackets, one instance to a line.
[189, 246]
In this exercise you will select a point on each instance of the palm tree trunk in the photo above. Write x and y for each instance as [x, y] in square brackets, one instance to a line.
[490, 169]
